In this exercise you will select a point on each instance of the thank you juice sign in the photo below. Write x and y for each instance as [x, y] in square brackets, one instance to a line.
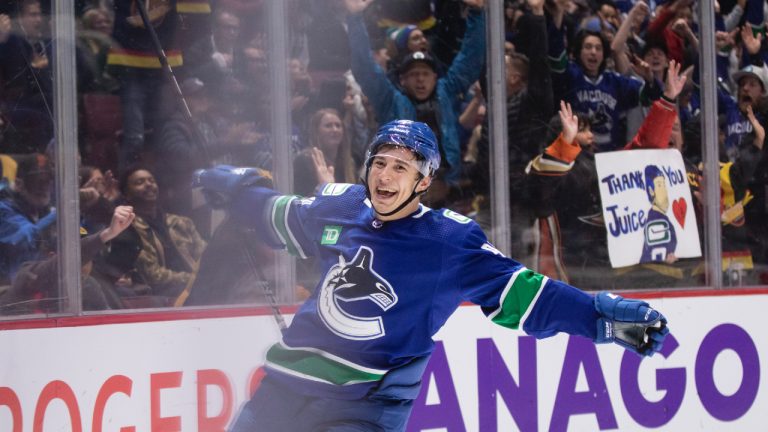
[647, 207]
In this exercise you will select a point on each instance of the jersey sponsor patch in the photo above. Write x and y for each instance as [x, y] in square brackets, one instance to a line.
[335, 189]
[331, 235]
[347, 283]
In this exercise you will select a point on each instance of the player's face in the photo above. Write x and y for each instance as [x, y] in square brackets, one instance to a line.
[391, 180]
[661, 198]
[419, 81]
[591, 55]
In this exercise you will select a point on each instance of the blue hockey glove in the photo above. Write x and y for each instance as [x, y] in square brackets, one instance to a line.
[222, 182]
[632, 324]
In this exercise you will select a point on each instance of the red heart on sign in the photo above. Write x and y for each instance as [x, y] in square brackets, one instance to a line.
[679, 208]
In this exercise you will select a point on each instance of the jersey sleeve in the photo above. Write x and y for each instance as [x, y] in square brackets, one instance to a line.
[517, 297]
[280, 220]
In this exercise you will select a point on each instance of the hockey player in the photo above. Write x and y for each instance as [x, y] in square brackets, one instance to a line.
[394, 272]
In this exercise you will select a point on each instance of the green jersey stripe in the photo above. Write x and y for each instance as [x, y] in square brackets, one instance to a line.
[560, 63]
[280, 209]
[533, 302]
[518, 298]
[317, 365]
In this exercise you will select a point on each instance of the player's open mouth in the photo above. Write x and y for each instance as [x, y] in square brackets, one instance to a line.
[385, 194]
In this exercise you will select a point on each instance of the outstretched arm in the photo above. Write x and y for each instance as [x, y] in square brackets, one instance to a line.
[246, 193]
[517, 297]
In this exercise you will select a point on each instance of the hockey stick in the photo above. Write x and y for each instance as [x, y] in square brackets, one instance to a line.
[266, 287]
[200, 143]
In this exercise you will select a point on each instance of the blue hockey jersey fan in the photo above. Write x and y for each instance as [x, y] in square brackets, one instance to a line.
[394, 272]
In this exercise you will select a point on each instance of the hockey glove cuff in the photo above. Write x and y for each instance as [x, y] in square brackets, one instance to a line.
[222, 182]
[632, 324]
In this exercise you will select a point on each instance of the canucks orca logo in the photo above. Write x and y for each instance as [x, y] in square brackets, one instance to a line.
[354, 281]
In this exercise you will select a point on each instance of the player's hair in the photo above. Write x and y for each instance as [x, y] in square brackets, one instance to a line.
[651, 172]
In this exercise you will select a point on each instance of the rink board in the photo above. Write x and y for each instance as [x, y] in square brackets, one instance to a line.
[192, 374]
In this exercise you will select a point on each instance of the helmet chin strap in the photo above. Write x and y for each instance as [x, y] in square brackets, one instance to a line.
[414, 194]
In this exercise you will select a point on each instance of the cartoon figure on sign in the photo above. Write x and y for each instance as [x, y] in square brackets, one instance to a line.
[660, 240]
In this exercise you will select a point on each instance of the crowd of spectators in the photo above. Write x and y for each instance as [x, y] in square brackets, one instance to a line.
[590, 74]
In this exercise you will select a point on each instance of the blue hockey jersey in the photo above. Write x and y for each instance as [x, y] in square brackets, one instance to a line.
[660, 238]
[388, 287]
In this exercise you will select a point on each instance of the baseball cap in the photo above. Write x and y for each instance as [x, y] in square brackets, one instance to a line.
[415, 57]
[753, 71]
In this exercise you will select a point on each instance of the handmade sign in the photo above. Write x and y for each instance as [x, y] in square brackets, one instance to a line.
[647, 207]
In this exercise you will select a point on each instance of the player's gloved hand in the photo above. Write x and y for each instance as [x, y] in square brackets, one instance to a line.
[632, 324]
[222, 182]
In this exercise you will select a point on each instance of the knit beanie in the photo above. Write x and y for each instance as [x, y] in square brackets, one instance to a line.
[399, 35]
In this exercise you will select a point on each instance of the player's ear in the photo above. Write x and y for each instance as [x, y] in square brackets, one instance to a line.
[423, 184]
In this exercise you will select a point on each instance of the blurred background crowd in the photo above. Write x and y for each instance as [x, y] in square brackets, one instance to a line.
[149, 241]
